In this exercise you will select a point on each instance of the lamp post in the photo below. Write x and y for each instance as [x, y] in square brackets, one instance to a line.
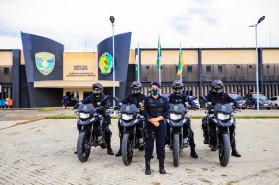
[111, 18]
[257, 61]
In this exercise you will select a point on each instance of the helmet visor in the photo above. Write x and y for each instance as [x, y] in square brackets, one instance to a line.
[96, 90]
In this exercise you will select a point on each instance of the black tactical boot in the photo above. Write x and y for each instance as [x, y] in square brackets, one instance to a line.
[107, 138]
[147, 167]
[119, 151]
[234, 152]
[193, 153]
[161, 167]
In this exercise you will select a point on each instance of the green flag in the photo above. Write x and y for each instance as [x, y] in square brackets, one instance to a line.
[159, 54]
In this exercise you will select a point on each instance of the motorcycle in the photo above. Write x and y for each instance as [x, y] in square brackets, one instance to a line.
[220, 117]
[91, 129]
[131, 121]
[177, 119]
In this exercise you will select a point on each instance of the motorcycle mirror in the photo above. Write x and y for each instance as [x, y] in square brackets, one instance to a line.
[98, 103]
[203, 98]
[193, 97]
[116, 99]
[209, 103]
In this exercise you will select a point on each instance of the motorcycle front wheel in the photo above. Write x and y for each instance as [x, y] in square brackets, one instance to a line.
[83, 147]
[127, 149]
[176, 150]
[224, 151]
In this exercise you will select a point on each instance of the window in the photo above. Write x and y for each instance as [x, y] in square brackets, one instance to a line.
[6, 70]
[238, 66]
[208, 69]
[250, 66]
[190, 69]
[220, 69]
[147, 67]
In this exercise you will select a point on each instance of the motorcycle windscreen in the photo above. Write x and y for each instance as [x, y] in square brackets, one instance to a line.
[224, 108]
[177, 108]
[128, 109]
[86, 108]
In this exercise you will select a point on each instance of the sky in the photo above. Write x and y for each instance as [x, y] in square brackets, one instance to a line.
[80, 25]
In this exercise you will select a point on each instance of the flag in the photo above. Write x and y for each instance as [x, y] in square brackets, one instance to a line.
[137, 61]
[180, 63]
[159, 54]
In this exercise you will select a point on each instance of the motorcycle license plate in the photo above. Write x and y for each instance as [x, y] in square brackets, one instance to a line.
[265, 105]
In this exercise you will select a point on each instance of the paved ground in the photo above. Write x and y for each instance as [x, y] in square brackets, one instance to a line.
[41, 152]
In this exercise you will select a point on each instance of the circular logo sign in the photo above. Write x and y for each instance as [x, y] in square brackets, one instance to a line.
[45, 62]
[106, 64]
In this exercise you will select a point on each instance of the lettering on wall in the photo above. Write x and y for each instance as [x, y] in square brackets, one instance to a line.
[80, 71]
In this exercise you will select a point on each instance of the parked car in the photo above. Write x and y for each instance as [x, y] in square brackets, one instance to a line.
[241, 103]
[251, 100]
[275, 102]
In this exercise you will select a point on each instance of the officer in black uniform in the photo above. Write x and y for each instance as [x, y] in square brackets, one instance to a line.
[216, 95]
[179, 97]
[156, 111]
[139, 100]
[96, 97]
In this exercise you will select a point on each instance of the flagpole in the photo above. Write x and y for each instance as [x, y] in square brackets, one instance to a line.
[138, 64]
[159, 48]
[180, 55]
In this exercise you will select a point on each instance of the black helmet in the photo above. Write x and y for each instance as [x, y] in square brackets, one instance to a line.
[217, 86]
[136, 87]
[97, 88]
[177, 87]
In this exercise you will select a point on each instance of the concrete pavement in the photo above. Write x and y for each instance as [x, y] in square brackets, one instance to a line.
[41, 152]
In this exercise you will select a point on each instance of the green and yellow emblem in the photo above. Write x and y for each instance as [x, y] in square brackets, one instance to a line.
[45, 62]
[106, 64]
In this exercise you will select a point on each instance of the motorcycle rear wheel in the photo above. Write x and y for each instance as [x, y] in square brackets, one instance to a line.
[224, 151]
[127, 149]
[83, 152]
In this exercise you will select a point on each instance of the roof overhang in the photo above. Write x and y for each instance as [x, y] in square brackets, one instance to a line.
[72, 83]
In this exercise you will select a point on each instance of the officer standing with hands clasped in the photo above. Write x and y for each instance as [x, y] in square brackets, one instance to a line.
[156, 111]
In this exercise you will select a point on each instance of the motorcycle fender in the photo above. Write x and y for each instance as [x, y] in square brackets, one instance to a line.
[127, 123]
[84, 122]
[176, 124]
[227, 123]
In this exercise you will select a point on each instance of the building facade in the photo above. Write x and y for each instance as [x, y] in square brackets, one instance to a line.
[41, 73]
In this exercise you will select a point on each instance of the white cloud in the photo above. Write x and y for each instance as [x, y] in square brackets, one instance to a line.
[193, 23]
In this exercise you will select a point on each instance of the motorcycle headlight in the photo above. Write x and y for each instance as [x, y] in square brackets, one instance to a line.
[127, 117]
[84, 115]
[221, 116]
[175, 116]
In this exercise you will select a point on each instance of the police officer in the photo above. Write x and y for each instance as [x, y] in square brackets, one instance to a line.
[95, 98]
[139, 100]
[216, 95]
[156, 111]
[65, 100]
[179, 97]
